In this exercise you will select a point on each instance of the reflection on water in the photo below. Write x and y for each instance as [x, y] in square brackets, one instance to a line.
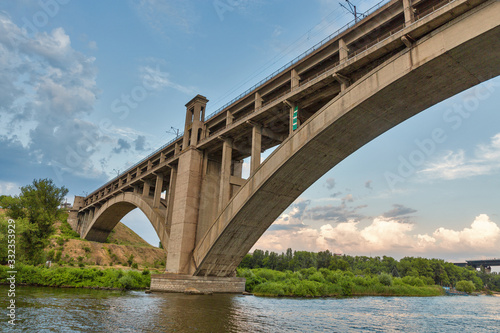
[82, 310]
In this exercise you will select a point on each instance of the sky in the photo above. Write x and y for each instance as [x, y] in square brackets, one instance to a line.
[88, 88]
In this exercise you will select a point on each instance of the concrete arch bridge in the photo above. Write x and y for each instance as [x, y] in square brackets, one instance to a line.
[404, 57]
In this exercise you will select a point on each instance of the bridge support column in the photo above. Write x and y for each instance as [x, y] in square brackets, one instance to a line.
[291, 105]
[229, 118]
[146, 188]
[343, 50]
[171, 196]
[91, 214]
[258, 100]
[256, 148]
[295, 79]
[225, 177]
[78, 203]
[158, 190]
[185, 213]
[408, 11]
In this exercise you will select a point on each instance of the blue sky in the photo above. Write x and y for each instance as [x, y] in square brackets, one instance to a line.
[89, 88]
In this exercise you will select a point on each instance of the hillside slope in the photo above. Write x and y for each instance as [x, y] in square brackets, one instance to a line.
[124, 247]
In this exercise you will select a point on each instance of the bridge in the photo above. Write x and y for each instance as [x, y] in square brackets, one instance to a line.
[402, 58]
[486, 263]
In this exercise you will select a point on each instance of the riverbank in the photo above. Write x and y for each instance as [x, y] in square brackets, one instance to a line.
[329, 283]
[72, 277]
[261, 282]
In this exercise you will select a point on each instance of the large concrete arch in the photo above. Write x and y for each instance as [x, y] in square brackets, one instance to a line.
[455, 57]
[113, 210]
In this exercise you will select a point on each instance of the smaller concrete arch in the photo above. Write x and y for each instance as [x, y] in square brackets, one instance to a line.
[109, 214]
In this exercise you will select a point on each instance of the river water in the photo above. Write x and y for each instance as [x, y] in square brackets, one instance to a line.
[82, 310]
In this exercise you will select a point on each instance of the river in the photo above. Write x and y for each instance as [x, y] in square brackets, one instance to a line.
[82, 310]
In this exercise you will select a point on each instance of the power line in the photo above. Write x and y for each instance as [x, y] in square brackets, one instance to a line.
[352, 10]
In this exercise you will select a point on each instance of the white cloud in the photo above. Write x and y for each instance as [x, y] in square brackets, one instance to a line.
[482, 234]
[8, 188]
[303, 239]
[47, 89]
[158, 80]
[455, 165]
[387, 237]
[380, 236]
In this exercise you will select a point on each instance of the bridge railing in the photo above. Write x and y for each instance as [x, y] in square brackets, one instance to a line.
[432, 9]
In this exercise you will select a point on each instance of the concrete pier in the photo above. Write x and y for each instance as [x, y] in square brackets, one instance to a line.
[175, 283]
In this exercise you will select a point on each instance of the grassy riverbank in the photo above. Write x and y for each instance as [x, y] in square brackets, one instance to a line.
[78, 277]
[332, 283]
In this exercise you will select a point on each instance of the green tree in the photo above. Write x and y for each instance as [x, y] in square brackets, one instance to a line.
[271, 260]
[41, 202]
[247, 261]
[35, 210]
[258, 258]
[324, 258]
[338, 263]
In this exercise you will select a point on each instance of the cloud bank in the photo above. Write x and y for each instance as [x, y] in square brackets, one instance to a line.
[387, 236]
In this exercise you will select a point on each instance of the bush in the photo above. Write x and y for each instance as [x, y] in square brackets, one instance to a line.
[130, 260]
[126, 282]
[66, 230]
[270, 289]
[467, 286]
[413, 281]
[361, 281]
[347, 286]
[385, 279]
[318, 277]
[51, 255]
[251, 279]
[135, 265]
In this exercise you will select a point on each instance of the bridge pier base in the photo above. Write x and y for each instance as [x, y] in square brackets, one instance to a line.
[175, 283]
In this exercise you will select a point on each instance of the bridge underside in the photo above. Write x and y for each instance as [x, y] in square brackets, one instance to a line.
[99, 226]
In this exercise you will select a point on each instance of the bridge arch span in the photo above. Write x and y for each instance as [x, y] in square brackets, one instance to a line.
[455, 57]
[113, 210]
